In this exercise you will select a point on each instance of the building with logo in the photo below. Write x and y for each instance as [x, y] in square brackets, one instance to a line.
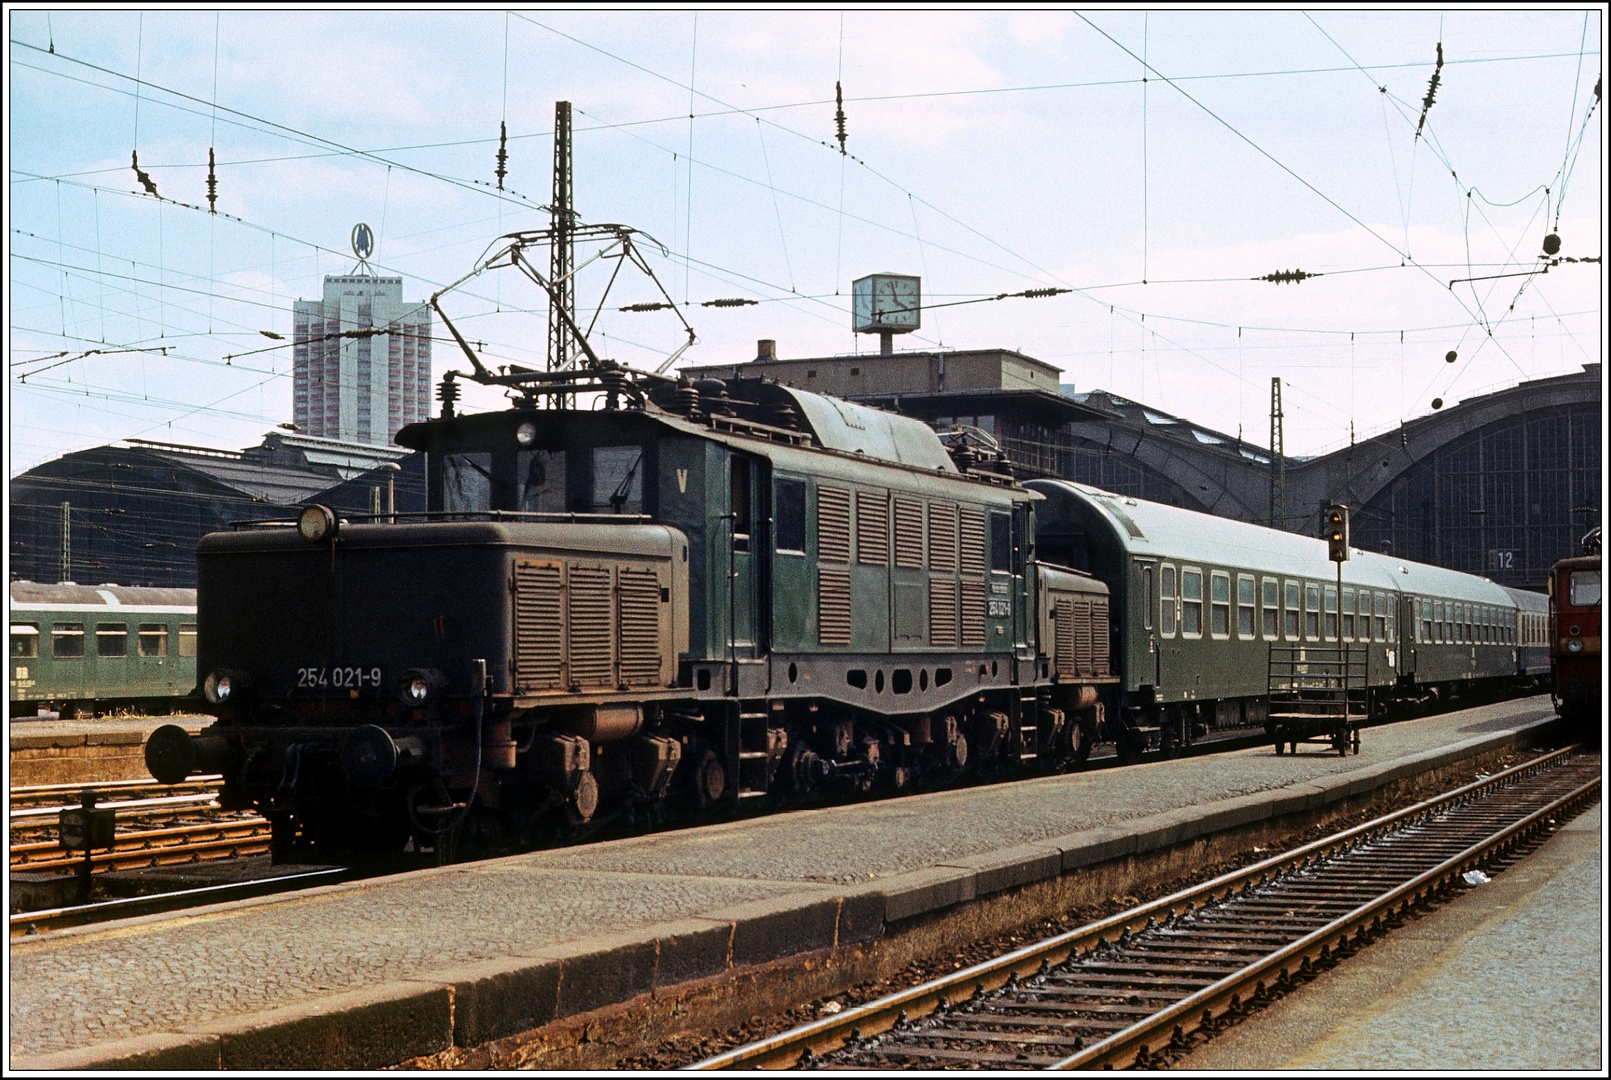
[362, 356]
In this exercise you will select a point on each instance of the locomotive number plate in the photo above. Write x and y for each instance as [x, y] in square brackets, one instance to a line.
[1000, 609]
[338, 678]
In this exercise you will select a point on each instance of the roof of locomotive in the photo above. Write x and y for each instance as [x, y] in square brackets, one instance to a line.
[842, 426]
[1174, 533]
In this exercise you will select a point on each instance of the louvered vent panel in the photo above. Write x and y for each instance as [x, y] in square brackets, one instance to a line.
[833, 606]
[872, 528]
[1064, 636]
[638, 623]
[973, 614]
[973, 540]
[943, 613]
[1082, 637]
[591, 636]
[1099, 638]
[833, 524]
[539, 657]
[943, 537]
[908, 532]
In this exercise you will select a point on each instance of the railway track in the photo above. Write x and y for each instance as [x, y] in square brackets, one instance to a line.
[1130, 989]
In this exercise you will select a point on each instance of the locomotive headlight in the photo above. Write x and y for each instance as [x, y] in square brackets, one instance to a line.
[316, 523]
[417, 686]
[526, 433]
[223, 686]
[1575, 645]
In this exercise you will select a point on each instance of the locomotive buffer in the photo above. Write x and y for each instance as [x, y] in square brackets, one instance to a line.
[1320, 694]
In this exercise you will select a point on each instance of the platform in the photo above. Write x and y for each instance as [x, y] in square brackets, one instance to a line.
[377, 972]
[86, 751]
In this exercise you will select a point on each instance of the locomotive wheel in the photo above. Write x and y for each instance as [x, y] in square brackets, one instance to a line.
[709, 778]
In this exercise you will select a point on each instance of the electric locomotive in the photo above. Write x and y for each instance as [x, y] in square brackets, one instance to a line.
[1574, 639]
[698, 597]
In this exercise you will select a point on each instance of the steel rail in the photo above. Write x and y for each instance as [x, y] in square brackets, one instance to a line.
[785, 1050]
[39, 814]
[137, 849]
[1203, 1009]
[37, 791]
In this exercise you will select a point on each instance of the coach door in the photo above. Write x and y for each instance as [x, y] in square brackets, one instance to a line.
[1408, 629]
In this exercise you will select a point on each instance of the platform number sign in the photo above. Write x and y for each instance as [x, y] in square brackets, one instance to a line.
[1336, 533]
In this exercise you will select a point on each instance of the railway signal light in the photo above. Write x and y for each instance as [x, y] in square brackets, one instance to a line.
[1336, 533]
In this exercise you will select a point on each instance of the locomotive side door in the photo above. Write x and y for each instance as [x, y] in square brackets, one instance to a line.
[749, 544]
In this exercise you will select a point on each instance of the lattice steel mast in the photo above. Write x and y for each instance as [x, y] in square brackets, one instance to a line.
[1278, 459]
[562, 258]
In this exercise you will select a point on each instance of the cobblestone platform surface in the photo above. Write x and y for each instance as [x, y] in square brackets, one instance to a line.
[374, 972]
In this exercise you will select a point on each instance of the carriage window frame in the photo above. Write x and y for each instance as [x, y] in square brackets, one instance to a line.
[1311, 611]
[1191, 608]
[27, 636]
[1387, 617]
[1349, 599]
[64, 635]
[152, 636]
[1246, 607]
[112, 640]
[187, 639]
[1292, 623]
[1379, 624]
[1329, 610]
[1270, 608]
[1219, 610]
[1167, 588]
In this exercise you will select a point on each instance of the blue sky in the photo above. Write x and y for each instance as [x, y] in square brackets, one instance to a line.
[991, 152]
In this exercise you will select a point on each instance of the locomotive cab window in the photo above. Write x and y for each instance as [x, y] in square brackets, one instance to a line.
[67, 640]
[1000, 544]
[1166, 601]
[24, 641]
[111, 639]
[1244, 606]
[153, 639]
[1272, 608]
[1583, 588]
[541, 475]
[618, 480]
[739, 486]
[791, 516]
[466, 482]
[1191, 603]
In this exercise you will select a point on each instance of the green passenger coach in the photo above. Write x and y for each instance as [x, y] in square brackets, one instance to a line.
[77, 650]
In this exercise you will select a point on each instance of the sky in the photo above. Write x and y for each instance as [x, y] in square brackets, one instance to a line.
[1157, 164]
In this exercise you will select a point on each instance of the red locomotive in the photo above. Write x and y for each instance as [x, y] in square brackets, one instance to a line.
[1574, 647]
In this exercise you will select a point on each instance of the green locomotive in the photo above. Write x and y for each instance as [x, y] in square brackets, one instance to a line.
[706, 595]
[79, 650]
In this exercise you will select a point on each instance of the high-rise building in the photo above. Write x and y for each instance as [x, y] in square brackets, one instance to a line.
[361, 388]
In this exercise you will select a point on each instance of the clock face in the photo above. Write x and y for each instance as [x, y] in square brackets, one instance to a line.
[886, 302]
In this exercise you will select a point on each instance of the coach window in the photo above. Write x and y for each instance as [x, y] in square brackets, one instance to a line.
[187, 639]
[1382, 632]
[1294, 610]
[1219, 604]
[111, 639]
[1191, 603]
[1244, 605]
[1331, 613]
[153, 639]
[1311, 612]
[1348, 614]
[67, 640]
[1272, 608]
[24, 641]
[1146, 597]
[1583, 588]
[1166, 601]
